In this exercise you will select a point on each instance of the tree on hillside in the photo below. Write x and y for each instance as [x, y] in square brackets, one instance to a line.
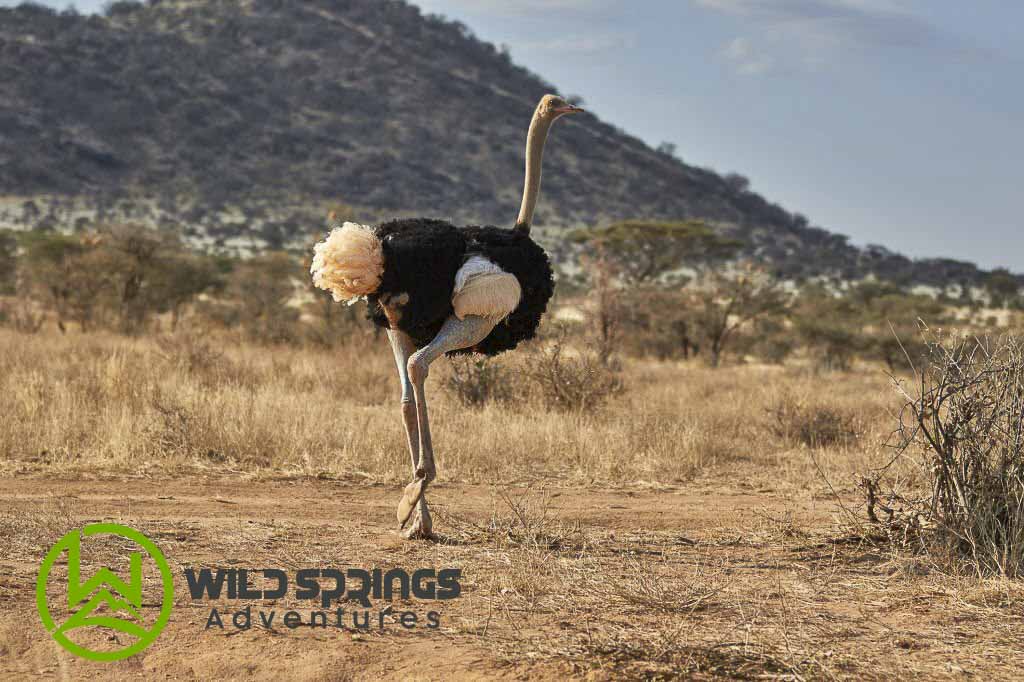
[1003, 288]
[645, 251]
[29, 212]
[738, 182]
[667, 148]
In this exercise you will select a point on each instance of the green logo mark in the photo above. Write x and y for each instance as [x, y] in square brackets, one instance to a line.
[107, 591]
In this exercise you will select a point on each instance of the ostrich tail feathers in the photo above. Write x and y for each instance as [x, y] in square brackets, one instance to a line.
[349, 263]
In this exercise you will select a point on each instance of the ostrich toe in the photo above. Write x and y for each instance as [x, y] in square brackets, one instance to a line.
[410, 498]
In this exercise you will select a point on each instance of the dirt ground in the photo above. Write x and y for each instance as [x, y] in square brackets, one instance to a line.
[707, 580]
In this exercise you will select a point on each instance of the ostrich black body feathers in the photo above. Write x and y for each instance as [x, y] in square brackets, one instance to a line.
[421, 257]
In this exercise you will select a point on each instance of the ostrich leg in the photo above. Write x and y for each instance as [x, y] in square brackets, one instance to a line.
[454, 334]
[403, 347]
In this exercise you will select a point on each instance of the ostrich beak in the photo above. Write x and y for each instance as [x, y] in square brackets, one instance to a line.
[571, 109]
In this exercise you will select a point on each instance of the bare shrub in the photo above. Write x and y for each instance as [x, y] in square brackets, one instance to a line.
[606, 311]
[773, 342]
[475, 381]
[205, 361]
[572, 382]
[177, 434]
[722, 302]
[192, 353]
[812, 424]
[652, 590]
[963, 423]
[526, 522]
[22, 316]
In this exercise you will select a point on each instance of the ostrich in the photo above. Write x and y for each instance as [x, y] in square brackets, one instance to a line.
[439, 289]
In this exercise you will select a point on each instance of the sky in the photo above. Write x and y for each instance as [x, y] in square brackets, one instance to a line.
[895, 122]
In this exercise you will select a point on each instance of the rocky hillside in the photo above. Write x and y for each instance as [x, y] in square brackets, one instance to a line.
[241, 121]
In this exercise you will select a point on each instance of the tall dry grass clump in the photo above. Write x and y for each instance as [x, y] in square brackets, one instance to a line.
[812, 423]
[580, 381]
[964, 422]
[476, 381]
[553, 372]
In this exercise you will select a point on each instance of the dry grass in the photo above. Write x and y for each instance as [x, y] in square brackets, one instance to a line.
[94, 403]
[634, 606]
[522, 522]
[808, 421]
[649, 586]
[33, 528]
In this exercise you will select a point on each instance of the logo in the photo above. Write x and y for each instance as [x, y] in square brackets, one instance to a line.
[345, 597]
[105, 600]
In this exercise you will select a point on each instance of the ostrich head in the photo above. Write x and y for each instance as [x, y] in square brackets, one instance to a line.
[553, 106]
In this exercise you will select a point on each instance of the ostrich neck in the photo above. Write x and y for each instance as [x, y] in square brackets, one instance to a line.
[535, 139]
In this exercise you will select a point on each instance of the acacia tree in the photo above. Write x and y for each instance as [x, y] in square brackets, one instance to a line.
[723, 301]
[829, 326]
[181, 278]
[633, 270]
[1003, 288]
[648, 251]
[49, 273]
[139, 261]
[123, 273]
[872, 319]
[8, 262]
[262, 287]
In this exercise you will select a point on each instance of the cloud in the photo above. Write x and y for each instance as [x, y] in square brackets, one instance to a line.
[747, 62]
[84, 6]
[519, 7]
[582, 43]
[816, 32]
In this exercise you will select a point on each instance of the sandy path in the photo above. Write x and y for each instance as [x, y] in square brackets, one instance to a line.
[779, 577]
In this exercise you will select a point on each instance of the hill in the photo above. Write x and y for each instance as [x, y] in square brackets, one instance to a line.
[241, 121]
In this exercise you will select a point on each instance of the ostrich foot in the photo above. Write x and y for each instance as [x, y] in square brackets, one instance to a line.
[421, 527]
[410, 498]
